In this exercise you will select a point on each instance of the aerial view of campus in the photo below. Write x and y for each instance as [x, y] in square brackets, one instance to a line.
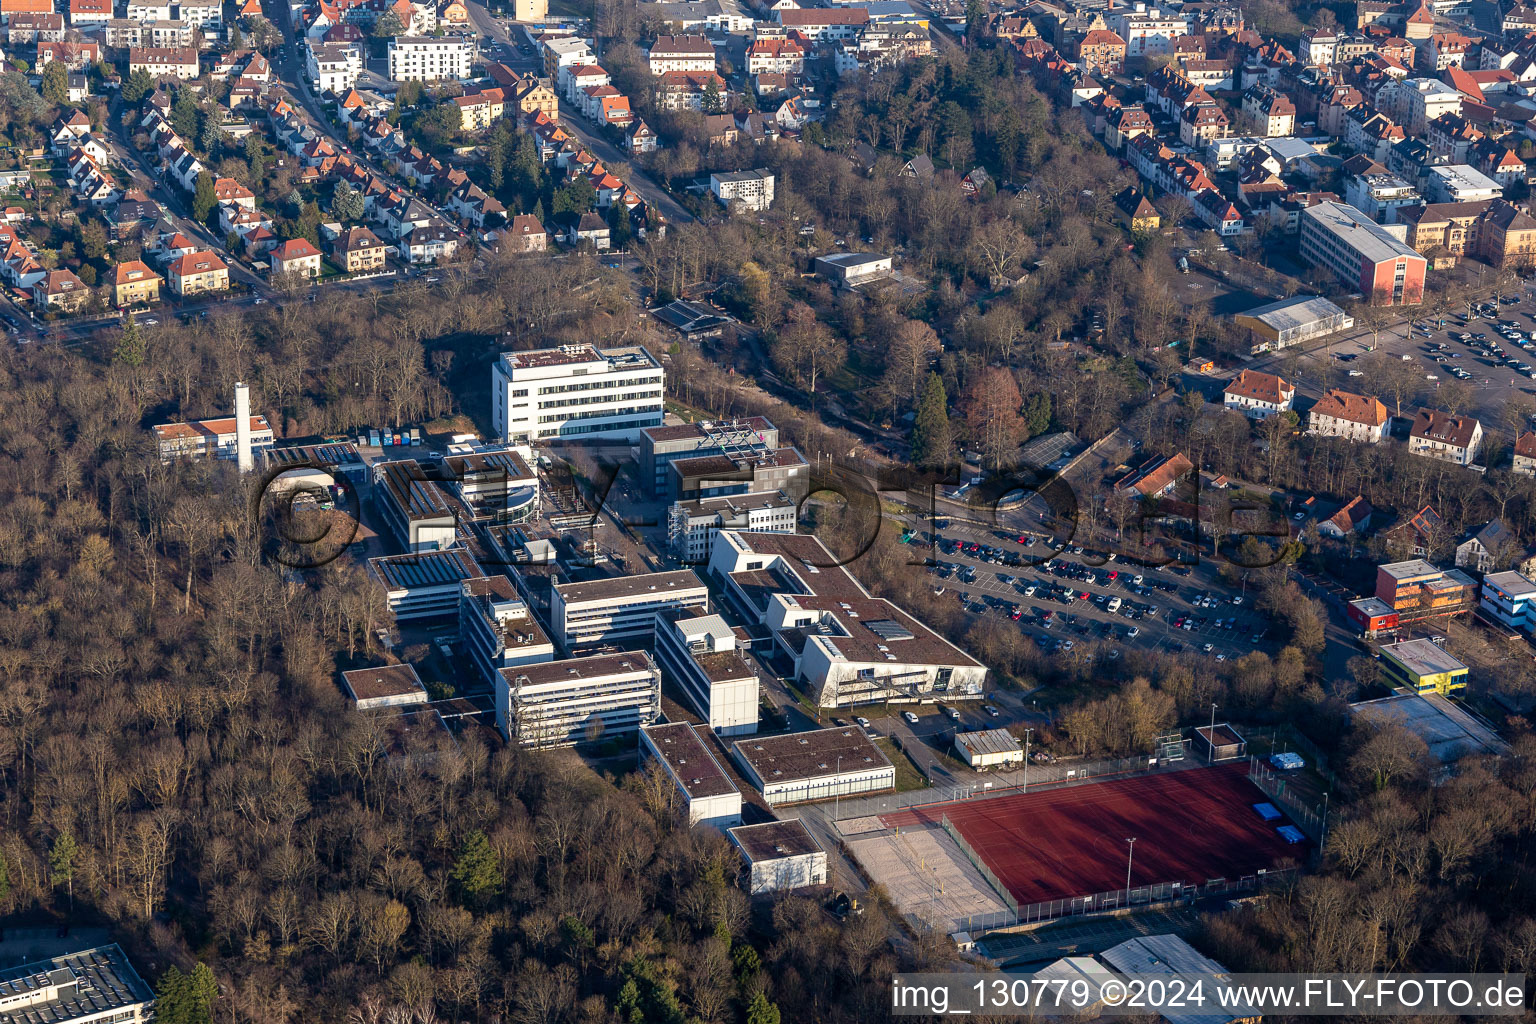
[767, 511]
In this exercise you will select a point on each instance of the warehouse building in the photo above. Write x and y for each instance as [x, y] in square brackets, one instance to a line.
[497, 629]
[821, 764]
[1364, 256]
[780, 856]
[1291, 322]
[692, 525]
[847, 647]
[77, 988]
[424, 586]
[708, 792]
[576, 391]
[420, 514]
[989, 748]
[384, 686]
[701, 655]
[1422, 666]
[621, 611]
[1416, 590]
[1510, 598]
[739, 438]
[578, 700]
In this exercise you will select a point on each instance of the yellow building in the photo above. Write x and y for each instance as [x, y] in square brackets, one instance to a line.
[1422, 666]
[135, 284]
[197, 273]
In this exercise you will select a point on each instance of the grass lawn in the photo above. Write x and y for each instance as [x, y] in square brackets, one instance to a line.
[907, 776]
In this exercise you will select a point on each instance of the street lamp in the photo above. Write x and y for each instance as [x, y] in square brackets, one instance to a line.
[1130, 858]
[1027, 734]
[1210, 739]
[836, 793]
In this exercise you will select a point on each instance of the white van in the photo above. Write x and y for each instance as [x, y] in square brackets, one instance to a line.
[1114, 605]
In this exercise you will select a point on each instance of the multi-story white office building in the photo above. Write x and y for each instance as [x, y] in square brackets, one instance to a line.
[700, 653]
[692, 525]
[428, 59]
[497, 629]
[708, 792]
[576, 391]
[333, 67]
[1510, 598]
[621, 611]
[578, 700]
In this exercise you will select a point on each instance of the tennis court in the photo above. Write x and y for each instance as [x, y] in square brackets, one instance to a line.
[1190, 826]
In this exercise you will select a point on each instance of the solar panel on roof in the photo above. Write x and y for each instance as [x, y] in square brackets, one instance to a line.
[889, 629]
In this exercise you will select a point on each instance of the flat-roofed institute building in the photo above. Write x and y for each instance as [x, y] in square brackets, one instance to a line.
[803, 767]
[710, 795]
[420, 514]
[205, 438]
[621, 610]
[1292, 321]
[1362, 254]
[700, 654]
[851, 269]
[576, 391]
[713, 476]
[497, 628]
[424, 585]
[384, 686]
[660, 445]
[76, 988]
[560, 703]
[989, 748]
[1448, 730]
[1422, 666]
[692, 525]
[1510, 598]
[847, 647]
[497, 485]
[780, 855]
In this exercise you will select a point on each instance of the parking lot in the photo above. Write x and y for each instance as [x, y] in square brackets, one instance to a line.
[1493, 375]
[1073, 609]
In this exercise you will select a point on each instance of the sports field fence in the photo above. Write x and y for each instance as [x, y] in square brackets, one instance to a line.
[981, 865]
[1285, 794]
[994, 783]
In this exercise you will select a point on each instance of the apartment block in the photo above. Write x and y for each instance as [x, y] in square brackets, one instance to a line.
[428, 59]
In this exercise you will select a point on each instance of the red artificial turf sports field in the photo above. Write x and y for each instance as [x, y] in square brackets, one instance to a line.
[1190, 826]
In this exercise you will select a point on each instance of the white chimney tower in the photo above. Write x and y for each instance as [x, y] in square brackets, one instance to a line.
[243, 428]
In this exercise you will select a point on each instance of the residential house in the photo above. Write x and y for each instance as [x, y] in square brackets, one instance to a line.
[1450, 438]
[1506, 236]
[1155, 477]
[197, 273]
[775, 56]
[1258, 395]
[164, 62]
[429, 243]
[61, 291]
[1272, 113]
[641, 138]
[134, 284]
[590, 228]
[1347, 521]
[358, 251]
[524, 234]
[1353, 417]
[688, 90]
[1101, 52]
[25, 29]
[1525, 454]
[76, 55]
[1137, 212]
[480, 109]
[1490, 547]
[296, 256]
